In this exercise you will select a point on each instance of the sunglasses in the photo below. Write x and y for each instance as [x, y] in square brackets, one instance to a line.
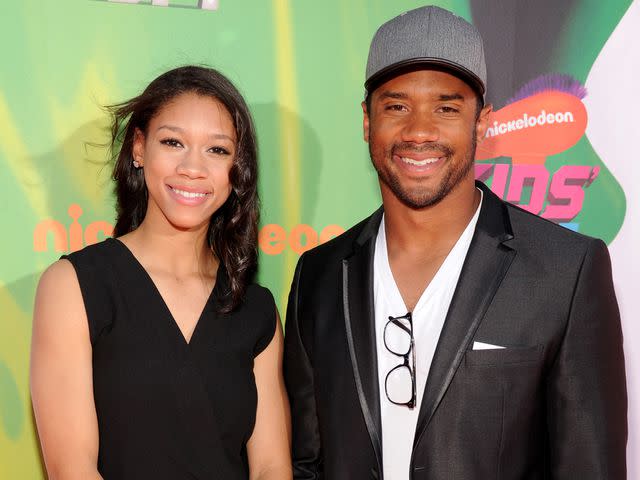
[400, 382]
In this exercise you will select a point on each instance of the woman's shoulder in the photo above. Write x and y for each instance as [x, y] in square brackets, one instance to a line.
[260, 303]
[95, 254]
[58, 299]
[72, 267]
[58, 276]
[67, 270]
[94, 280]
[97, 272]
[258, 293]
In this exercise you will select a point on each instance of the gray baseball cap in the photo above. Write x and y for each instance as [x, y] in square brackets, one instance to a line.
[428, 36]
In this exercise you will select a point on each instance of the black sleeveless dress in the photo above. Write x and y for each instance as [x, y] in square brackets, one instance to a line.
[168, 409]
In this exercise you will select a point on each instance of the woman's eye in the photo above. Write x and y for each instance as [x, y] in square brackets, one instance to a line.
[219, 151]
[171, 142]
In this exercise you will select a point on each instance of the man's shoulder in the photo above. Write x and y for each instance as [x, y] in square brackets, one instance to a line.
[532, 229]
[341, 246]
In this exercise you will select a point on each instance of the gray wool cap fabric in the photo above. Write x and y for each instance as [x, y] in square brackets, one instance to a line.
[427, 35]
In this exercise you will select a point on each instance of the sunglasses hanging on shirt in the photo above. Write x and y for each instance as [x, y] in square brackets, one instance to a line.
[400, 382]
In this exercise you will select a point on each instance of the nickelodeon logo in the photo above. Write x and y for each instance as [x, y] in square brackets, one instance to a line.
[532, 128]
[546, 117]
[528, 121]
[273, 239]
[76, 237]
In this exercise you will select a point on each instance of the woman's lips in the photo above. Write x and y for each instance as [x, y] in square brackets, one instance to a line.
[188, 195]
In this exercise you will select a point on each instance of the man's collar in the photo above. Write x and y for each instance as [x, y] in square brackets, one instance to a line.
[493, 219]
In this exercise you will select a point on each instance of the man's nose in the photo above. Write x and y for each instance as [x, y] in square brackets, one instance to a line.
[420, 128]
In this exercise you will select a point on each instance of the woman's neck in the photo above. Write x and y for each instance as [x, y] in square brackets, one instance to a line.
[179, 252]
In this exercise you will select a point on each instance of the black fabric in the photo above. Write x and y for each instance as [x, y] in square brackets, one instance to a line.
[168, 409]
[552, 405]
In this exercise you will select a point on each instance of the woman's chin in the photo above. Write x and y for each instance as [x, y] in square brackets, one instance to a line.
[189, 224]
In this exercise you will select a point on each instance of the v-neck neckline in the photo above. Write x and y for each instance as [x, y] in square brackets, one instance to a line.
[392, 292]
[394, 296]
[162, 301]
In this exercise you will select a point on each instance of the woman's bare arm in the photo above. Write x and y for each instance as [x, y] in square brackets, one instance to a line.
[61, 377]
[269, 448]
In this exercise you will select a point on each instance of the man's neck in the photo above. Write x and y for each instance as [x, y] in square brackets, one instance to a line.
[440, 225]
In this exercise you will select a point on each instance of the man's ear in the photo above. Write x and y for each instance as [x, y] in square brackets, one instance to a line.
[483, 121]
[365, 122]
[138, 146]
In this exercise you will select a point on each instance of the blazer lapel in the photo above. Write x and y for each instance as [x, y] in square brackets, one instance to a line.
[357, 295]
[486, 264]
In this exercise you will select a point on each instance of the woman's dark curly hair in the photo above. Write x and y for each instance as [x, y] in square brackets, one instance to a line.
[233, 228]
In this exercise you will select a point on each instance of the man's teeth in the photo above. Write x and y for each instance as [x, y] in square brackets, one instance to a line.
[189, 194]
[420, 163]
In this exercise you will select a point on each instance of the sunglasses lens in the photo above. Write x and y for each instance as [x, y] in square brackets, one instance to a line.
[398, 385]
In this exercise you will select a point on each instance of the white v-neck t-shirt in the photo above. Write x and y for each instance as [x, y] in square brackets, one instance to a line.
[399, 422]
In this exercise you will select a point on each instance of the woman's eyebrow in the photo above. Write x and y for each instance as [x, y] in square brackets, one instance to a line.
[180, 130]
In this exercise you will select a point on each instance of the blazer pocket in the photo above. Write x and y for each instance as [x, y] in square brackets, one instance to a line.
[504, 356]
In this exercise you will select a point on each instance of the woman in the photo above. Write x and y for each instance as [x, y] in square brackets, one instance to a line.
[153, 356]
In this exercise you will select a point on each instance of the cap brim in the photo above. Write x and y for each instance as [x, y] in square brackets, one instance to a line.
[406, 66]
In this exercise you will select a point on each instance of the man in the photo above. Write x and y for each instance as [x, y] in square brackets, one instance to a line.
[450, 335]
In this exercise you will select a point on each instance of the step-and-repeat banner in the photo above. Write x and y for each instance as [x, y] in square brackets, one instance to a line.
[563, 79]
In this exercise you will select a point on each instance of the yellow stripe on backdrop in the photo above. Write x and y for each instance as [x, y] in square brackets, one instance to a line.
[287, 98]
[82, 125]
[20, 162]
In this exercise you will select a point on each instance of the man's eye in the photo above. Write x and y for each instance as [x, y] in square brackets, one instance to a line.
[447, 109]
[171, 142]
[395, 107]
[220, 151]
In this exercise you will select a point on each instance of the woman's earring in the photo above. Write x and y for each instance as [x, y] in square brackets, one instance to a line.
[136, 164]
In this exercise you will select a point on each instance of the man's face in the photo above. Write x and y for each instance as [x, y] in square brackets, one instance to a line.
[422, 129]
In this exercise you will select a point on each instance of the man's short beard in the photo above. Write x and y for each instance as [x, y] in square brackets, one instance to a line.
[451, 180]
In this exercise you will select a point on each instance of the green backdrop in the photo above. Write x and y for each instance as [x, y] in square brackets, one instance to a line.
[300, 65]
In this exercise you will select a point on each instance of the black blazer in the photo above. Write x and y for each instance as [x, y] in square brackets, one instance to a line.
[550, 406]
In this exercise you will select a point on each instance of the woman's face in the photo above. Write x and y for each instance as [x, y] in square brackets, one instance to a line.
[187, 154]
